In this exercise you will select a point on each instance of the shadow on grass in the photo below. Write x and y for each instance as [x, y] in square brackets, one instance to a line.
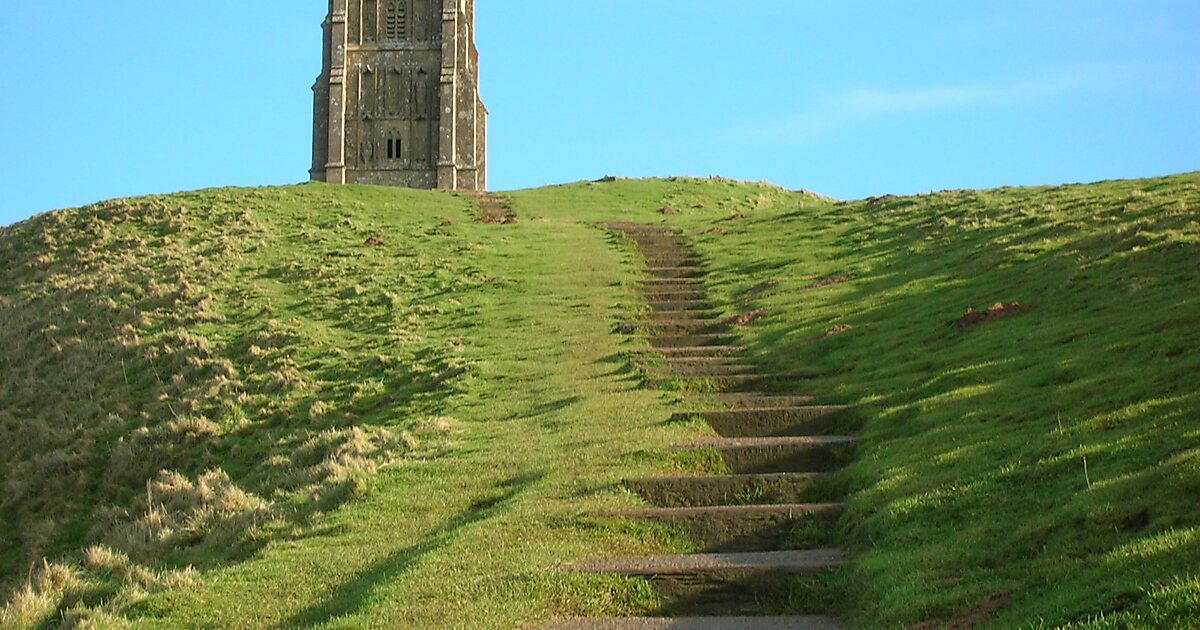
[350, 596]
[544, 409]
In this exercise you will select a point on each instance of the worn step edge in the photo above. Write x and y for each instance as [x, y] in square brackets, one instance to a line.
[697, 370]
[741, 489]
[671, 281]
[673, 259]
[692, 339]
[679, 306]
[726, 353]
[799, 441]
[684, 350]
[720, 359]
[699, 623]
[796, 411]
[691, 314]
[751, 422]
[672, 291]
[670, 329]
[673, 295]
[809, 562]
[782, 509]
[736, 400]
[733, 382]
[669, 271]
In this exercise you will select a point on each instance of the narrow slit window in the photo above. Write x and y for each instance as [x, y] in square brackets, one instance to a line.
[391, 150]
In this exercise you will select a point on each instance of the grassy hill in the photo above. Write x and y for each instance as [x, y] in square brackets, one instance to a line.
[331, 407]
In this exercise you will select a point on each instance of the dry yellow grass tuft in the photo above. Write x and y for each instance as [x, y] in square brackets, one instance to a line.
[183, 373]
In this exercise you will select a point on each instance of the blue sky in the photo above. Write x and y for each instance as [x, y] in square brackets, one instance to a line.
[849, 98]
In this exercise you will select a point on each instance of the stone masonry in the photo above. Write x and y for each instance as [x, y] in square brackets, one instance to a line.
[397, 102]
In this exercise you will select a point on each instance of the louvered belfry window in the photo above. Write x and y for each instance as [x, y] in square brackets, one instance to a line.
[395, 25]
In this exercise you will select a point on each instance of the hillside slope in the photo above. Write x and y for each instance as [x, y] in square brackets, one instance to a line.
[342, 407]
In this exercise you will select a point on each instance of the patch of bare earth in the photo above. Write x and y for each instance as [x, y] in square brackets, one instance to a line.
[981, 615]
[994, 313]
[831, 281]
[832, 332]
[495, 210]
[749, 317]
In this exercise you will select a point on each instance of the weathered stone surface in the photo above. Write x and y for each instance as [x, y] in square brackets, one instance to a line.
[397, 102]
[789, 562]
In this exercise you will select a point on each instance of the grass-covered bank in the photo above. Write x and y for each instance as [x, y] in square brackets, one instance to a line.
[421, 410]
[356, 407]
[1039, 469]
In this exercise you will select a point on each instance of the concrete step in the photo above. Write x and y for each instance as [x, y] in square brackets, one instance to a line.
[671, 282]
[718, 584]
[689, 352]
[775, 422]
[673, 326]
[742, 527]
[690, 340]
[699, 623]
[652, 234]
[671, 287]
[692, 271]
[753, 400]
[665, 235]
[680, 258]
[822, 453]
[663, 246]
[669, 373]
[710, 490]
[736, 382]
[666, 361]
[673, 294]
[809, 562]
[671, 257]
[700, 314]
[678, 306]
[661, 240]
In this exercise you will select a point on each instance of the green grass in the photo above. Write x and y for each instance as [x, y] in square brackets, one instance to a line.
[379, 413]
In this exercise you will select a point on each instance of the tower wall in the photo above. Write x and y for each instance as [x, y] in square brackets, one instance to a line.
[397, 102]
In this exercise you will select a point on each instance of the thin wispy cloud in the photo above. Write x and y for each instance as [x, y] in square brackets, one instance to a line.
[861, 105]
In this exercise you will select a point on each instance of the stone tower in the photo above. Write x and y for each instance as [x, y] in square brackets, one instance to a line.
[397, 102]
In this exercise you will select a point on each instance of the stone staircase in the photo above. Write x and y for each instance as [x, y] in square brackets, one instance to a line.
[781, 449]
